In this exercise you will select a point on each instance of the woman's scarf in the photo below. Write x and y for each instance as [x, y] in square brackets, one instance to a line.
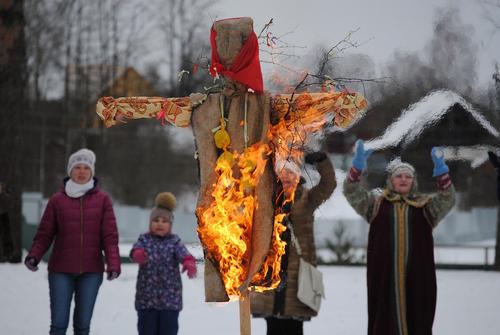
[75, 190]
[413, 199]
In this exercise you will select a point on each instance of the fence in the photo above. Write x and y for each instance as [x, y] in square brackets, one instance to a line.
[446, 256]
[456, 256]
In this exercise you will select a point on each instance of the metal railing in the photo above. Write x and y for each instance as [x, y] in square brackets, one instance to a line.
[446, 256]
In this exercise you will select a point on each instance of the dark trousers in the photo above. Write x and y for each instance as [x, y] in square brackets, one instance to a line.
[277, 326]
[62, 286]
[157, 322]
[7, 245]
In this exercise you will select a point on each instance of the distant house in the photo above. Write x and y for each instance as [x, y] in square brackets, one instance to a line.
[127, 82]
[442, 118]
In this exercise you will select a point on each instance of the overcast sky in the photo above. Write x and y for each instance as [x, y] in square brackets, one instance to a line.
[387, 25]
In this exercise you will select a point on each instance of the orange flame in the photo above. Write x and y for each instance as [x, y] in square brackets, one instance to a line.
[298, 119]
[269, 277]
[300, 116]
[225, 227]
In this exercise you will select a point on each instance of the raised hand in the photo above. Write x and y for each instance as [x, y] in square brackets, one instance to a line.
[440, 166]
[360, 155]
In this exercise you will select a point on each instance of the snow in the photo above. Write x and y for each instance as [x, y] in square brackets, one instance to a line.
[468, 303]
[337, 205]
[457, 228]
[194, 249]
[422, 114]
[476, 155]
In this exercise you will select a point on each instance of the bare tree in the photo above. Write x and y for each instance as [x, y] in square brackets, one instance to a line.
[492, 15]
[12, 101]
[185, 41]
[452, 51]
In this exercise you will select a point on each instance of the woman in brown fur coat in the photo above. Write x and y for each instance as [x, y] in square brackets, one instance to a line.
[284, 313]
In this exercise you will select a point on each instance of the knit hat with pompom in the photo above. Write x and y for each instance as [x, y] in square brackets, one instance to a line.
[165, 203]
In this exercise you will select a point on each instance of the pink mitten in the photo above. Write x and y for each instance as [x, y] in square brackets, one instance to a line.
[139, 256]
[189, 265]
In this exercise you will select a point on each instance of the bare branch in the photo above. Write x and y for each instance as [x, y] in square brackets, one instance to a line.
[265, 28]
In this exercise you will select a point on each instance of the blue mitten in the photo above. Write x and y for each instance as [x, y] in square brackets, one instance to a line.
[440, 166]
[360, 155]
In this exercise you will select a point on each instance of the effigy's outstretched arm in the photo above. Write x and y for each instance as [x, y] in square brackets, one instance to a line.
[296, 117]
[175, 111]
[310, 107]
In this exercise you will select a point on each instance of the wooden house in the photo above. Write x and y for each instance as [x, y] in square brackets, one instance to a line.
[442, 118]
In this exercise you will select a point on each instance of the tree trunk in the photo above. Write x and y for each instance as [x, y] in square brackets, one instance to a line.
[496, 78]
[12, 101]
[497, 247]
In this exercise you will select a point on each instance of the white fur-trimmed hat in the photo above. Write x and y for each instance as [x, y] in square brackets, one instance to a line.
[82, 156]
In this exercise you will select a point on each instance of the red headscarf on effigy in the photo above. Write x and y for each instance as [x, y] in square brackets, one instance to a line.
[246, 66]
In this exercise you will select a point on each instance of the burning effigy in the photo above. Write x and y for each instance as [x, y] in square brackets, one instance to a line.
[245, 138]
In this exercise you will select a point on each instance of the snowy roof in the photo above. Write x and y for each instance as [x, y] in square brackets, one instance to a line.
[476, 155]
[420, 115]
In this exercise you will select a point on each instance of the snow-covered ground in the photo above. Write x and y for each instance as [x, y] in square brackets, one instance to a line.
[468, 303]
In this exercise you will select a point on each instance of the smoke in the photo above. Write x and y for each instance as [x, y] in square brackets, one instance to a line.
[447, 62]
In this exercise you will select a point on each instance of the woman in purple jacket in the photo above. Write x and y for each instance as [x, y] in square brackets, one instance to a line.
[79, 219]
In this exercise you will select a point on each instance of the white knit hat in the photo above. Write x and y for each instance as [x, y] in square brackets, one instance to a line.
[396, 167]
[82, 156]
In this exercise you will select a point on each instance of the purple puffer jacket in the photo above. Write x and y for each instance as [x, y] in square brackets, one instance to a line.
[82, 228]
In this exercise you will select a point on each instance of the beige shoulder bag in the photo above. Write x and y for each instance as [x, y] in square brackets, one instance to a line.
[311, 289]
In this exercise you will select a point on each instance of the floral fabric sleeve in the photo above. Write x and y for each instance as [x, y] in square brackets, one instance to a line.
[181, 252]
[312, 107]
[175, 111]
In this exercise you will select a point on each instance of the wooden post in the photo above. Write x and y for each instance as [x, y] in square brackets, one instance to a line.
[245, 328]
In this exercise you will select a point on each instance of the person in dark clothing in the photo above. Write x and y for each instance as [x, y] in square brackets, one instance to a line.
[7, 244]
[401, 274]
[496, 164]
[283, 312]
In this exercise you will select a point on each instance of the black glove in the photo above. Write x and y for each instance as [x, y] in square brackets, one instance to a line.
[31, 263]
[315, 157]
[112, 275]
[493, 159]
